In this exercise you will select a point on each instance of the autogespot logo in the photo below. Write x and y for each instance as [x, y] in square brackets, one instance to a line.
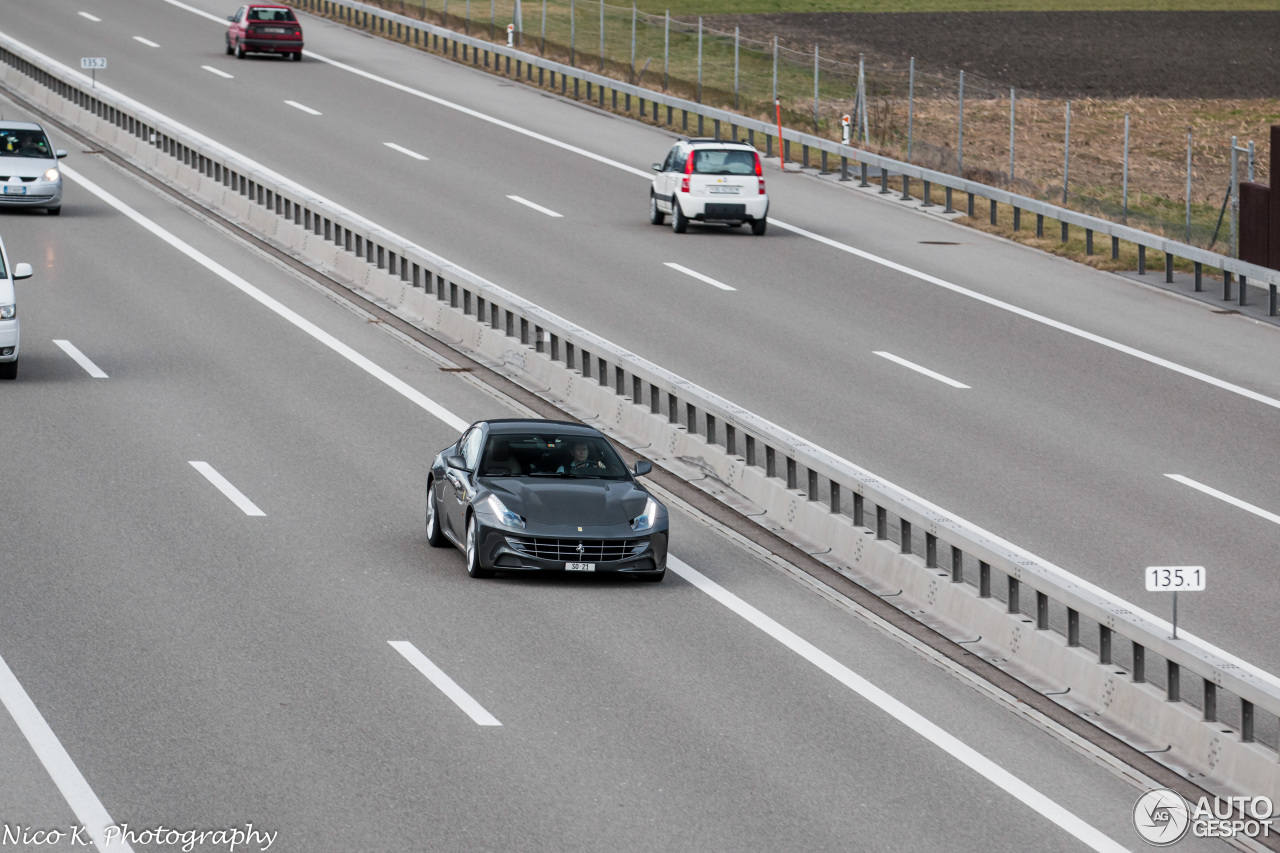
[1161, 817]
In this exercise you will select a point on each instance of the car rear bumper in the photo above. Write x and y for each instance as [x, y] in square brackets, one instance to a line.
[272, 45]
[724, 208]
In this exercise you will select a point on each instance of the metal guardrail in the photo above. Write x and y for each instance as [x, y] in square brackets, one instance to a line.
[810, 473]
[480, 52]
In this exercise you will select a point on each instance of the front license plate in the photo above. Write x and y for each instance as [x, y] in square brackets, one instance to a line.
[579, 567]
[719, 189]
[15, 190]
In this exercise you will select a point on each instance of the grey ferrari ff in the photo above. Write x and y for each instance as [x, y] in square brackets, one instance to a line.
[544, 496]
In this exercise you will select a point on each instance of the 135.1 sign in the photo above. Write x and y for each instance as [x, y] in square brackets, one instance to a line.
[1175, 578]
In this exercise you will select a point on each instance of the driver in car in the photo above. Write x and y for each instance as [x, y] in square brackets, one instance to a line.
[581, 459]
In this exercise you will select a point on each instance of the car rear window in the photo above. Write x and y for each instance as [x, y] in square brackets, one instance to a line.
[25, 143]
[724, 162]
[271, 15]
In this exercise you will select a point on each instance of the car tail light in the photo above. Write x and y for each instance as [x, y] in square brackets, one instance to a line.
[760, 174]
[688, 170]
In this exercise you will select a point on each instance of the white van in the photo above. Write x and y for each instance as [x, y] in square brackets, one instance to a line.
[9, 314]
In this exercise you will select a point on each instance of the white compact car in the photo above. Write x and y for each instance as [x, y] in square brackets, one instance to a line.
[29, 174]
[709, 180]
[9, 314]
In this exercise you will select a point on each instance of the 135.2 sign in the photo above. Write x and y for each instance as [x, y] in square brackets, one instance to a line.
[1175, 578]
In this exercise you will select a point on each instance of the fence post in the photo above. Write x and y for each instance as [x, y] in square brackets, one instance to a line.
[493, 12]
[1013, 102]
[1066, 155]
[775, 74]
[573, 34]
[542, 49]
[737, 37]
[601, 36]
[699, 59]
[1125, 189]
[1188, 186]
[815, 89]
[666, 53]
[960, 138]
[862, 96]
[633, 42]
[1234, 195]
[911, 102]
[466, 27]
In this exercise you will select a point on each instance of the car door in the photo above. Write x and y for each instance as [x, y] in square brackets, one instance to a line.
[665, 180]
[237, 26]
[459, 484]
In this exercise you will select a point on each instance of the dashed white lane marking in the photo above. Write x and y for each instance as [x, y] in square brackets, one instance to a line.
[699, 276]
[1223, 496]
[88, 809]
[548, 211]
[414, 154]
[93, 18]
[147, 42]
[303, 107]
[446, 685]
[944, 740]
[918, 369]
[224, 485]
[81, 359]
[218, 71]
[381, 374]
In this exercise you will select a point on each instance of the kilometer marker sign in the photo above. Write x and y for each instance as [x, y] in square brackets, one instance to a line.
[93, 64]
[1175, 579]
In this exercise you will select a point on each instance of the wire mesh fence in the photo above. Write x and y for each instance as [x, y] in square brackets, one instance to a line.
[1124, 160]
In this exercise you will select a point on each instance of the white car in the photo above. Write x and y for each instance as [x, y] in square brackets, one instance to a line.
[709, 180]
[29, 174]
[9, 314]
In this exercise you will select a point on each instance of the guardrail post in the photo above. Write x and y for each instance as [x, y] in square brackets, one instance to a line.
[1088, 241]
[1039, 225]
[1017, 219]
[993, 211]
[1115, 248]
[1065, 235]
[948, 208]
[906, 188]
[813, 485]
[1073, 628]
[984, 580]
[1042, 611]
[927, 201]
[1226, 286]
[770, 462]
[1104, 645]
[1014, 605]
[865, 182]
[1168, 268]
[835, 498]
[691, 417]
[858, 508]
[791, 473]
[1173, 690]
[904, 531]
[930, 551]
[1244, 288]
[882, 523]
[884, 181]
[1139, 663]
[957, 565]
[751, 451]
[1142, 259]
[1199, 274]
[1271, 300]
[971, 203]
[844, 168]
[711, 428]
[1246, 721]
[1210, 702]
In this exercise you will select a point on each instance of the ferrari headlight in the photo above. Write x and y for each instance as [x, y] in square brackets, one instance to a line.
[8, 312]
[646, 520]
[506, 516]
[51, 175]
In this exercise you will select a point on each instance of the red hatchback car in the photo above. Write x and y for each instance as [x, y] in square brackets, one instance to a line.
[264, 29]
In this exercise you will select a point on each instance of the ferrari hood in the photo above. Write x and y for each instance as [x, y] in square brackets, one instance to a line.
[555, 501]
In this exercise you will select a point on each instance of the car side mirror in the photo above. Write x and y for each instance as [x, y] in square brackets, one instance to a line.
[22, 271]
[657, 167]
[644, 466]
[60, 154]
[456, 461]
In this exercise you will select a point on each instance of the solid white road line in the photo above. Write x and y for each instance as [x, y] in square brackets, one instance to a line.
[447, 685]
[223, 485]
[827, 241]
[414, 154]
[920, 725]
[88, 809]
[536, 207]
[304, 108]
[218, 71]
[80, 359]
[918, 369]
[93, 18]
[245, 287]
[1223, 496]
[147, 42]
[699, 276]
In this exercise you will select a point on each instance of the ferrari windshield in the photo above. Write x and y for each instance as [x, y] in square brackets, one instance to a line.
[551, 455]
